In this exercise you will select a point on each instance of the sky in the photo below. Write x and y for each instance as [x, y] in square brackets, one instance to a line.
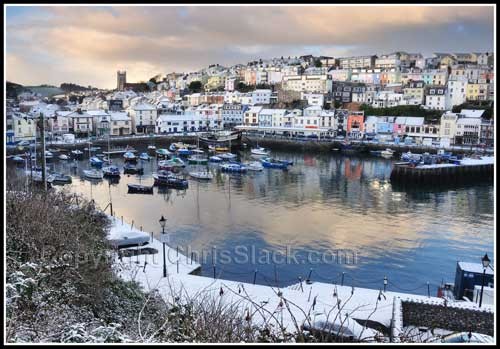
[88, 44]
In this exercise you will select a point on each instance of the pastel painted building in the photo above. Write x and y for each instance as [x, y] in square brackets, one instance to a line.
[355, 124]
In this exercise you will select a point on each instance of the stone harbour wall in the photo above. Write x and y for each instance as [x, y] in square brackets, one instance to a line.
[447, 317]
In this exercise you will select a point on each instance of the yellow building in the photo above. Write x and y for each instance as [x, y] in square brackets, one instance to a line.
[214, 82]
[477, 92]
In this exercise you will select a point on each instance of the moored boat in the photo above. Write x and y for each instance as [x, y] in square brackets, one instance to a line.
[18, 159]
[96, 162]
[140, 189]
[168, 179]
[233, 167]
[111, 171]
[215, 158]
[260, 151]
[227, 156]
[273, 163]
[388, 153]
[49, 155]
[63, 157]
[184, 152]
[129, 168]
[77, 154]
[93, 174]
[144, 156]
[172, 163]
[60, 178]
[129, 157]
[205, 175]
[254, 166]
[162, 153]
[198, 159]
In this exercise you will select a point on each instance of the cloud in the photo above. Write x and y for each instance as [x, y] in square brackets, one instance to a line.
[87, 44]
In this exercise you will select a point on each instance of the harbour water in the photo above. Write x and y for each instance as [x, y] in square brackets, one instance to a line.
[333, 214]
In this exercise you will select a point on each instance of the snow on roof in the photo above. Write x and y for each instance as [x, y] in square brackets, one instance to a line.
[119, 116]
[469, 121]
[144, 106]
[400, 120]
[474, 268]
[371, 119]
[254, 109]
[472, 113]
[414, 121]
[97, 113]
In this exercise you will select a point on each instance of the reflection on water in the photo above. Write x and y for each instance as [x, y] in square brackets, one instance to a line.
[323, 203]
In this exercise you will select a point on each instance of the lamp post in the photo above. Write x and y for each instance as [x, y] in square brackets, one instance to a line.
[163, 221]
[486, 263]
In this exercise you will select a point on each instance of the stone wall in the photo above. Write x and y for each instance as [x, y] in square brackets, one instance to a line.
[447, 317]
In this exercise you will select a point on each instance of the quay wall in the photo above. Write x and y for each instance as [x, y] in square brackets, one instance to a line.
[448, 317]
[441, 175]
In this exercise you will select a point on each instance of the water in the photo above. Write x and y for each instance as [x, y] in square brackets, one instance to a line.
[323, 204]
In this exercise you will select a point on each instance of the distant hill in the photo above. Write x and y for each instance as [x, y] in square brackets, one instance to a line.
[13, 89]
[70, 87]
[45, 90]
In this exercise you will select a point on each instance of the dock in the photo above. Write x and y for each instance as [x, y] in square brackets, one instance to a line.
[469, 170]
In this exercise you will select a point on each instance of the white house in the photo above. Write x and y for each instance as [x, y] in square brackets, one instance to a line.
[251, 116]
[24, 127]
[308, 83]
[316, 99]
[120, 124]
[261, 97]
[144, 117]
[437, 98]
[457, 91]
[448, 127]
[81, 123]
[101, 121]
[468, 130]
[181, 122]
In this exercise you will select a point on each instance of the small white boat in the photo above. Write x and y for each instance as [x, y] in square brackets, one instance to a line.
[48, 155]
[206, 175]
[63, 157]
[388, 153]
[254, 166]
[93, 174]
[18, 159]
[215, 158]
[227, 156]
[259, 151]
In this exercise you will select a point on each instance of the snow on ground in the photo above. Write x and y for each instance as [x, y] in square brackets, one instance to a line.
[306, 304]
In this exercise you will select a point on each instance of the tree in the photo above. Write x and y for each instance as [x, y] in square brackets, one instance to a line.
[242, 87]
[317, 63]
[195, 86]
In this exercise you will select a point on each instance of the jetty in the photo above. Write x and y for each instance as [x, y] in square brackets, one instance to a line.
[468, 170]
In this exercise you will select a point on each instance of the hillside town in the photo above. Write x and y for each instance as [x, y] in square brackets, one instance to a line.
[441, 100]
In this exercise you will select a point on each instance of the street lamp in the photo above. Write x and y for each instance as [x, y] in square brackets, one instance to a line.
[163, 221]
[486, 263]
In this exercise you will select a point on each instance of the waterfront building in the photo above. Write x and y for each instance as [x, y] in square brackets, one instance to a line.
[356, 124]
[251, 116]
[468, 131]
[59, 123]
[181, 122]
[232, 114]
[448, 127]
[120, 123]
[81, 123]
[144, 117]
[487, 133]
[101, 121]
[24, 127]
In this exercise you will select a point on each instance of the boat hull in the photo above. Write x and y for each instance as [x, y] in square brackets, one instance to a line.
[139, 189]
